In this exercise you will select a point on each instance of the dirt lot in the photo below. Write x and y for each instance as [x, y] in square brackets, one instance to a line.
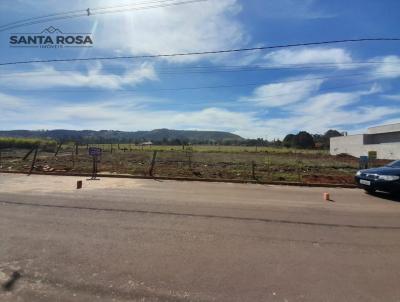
[263, 165]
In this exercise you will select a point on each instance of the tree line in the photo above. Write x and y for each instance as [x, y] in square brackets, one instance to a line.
[301, 140]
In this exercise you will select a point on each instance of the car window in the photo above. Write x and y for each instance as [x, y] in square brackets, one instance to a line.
[395, 164]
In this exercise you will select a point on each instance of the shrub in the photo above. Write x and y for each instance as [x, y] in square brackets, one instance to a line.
[26, 143]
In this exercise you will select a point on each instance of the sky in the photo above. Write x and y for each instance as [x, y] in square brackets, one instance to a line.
[266, 94]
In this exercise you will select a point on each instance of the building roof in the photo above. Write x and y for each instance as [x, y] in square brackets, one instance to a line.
[384, 129]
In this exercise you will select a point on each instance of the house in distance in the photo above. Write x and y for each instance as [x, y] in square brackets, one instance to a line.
[384, 140]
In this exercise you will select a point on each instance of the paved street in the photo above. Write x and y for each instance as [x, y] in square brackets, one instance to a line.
[146, 240]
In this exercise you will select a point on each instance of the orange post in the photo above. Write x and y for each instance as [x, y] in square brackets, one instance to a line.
[327, 196]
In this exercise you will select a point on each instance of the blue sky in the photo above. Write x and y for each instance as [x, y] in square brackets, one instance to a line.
[348, 87]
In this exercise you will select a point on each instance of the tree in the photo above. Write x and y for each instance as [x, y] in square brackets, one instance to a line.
[332, 133]
[304, 140]
[288, 141]
[323, 140]
[328, 135]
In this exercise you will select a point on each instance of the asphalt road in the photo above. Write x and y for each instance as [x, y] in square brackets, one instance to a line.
[144, 240]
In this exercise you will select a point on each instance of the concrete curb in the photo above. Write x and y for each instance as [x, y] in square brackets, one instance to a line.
[281, 183]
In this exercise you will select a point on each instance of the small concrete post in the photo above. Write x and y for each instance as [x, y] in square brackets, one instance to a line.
[79, 184]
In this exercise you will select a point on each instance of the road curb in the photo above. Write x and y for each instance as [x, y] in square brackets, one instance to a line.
[280, 183]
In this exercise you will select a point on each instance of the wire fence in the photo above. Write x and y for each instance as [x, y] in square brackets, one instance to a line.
[245, 166]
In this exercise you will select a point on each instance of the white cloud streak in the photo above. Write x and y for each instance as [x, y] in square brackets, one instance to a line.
[127, 115]
[48, 77]
[388, 69]
[393, 97]
[330, 110]
[316, 55]
[318, 114]
[285, 93]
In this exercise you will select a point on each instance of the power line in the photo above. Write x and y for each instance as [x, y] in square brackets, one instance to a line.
[101, 13]
[207, 87]
[36, 18]
[204, 52]
[148, 7]
[233, 67]
[327, 89]
[210, 69]
[94, 11]
[84, 11]
[129, 5]
[322, 90]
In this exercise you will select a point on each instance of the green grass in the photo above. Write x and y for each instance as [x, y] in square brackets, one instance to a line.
[25, 143]
[209, 148]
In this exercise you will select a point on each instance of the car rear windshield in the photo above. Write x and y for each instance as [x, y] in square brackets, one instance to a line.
[395, 164]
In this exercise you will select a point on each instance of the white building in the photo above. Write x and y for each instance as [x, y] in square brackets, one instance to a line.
[385, 140]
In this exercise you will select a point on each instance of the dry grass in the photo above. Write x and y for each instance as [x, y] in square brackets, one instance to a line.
[270, 164]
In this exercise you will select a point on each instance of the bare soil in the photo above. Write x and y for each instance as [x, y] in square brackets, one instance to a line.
[299, 167]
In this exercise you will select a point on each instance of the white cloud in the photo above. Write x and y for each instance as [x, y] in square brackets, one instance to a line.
[8, 102]
[48, 76]
[330, 110]
[292, 9]
[317, 115]
[316, 55]
[319, 104]
[285, 93]
[211, 25]
[194, 27]
[394, 97]
[339, 119]
[321, 112]
[127, 115]
[389, 68]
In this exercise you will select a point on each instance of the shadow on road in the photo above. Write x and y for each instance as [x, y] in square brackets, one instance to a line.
[387, 196]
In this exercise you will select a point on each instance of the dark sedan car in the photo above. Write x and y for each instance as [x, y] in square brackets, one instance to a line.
[385, 178]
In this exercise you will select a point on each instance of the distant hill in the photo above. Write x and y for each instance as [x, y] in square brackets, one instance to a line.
[111, 136]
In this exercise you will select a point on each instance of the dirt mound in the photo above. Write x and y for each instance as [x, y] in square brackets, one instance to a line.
[329, 179]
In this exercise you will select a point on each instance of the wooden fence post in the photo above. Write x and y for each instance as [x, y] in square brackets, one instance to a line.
[299, 167]
[73, 159]
[253, 170]
[153, 162]
[29, 153]
[33, 161]
[190, 160]
[58, 148]
[269, 167]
